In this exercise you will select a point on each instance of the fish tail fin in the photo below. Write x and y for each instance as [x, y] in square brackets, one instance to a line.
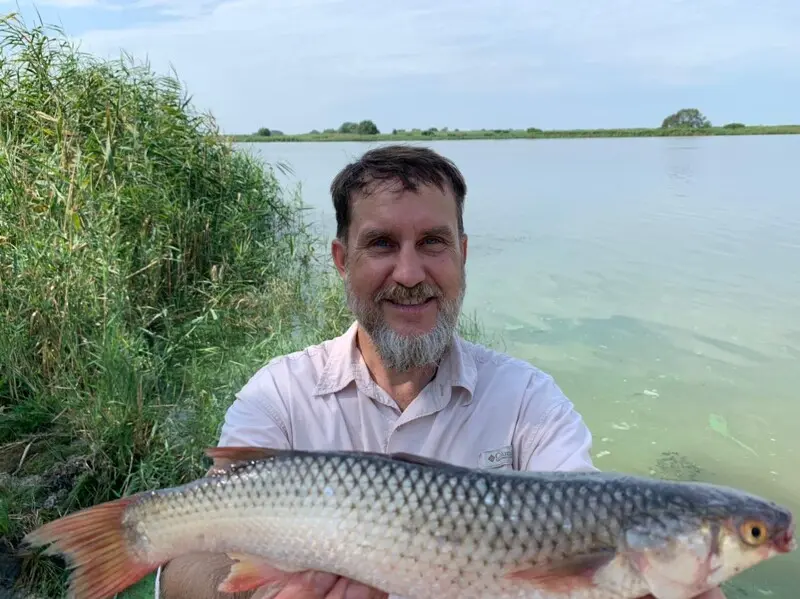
[94, 544]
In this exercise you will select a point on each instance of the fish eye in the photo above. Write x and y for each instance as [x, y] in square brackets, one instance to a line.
[754, 532]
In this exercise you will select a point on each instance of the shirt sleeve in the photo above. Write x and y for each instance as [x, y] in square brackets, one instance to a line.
[553, 435]
[258, 416]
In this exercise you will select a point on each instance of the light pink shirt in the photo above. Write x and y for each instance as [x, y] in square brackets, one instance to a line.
[483, 409]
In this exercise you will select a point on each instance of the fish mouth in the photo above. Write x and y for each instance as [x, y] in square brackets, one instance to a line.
[785, 541]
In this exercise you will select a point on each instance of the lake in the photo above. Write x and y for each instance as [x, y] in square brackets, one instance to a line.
[658, 280]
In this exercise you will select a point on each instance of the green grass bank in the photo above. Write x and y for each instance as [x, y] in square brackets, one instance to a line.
[146, 271]
[441, 135]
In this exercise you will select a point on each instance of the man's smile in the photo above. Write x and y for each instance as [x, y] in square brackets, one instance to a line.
[411, 305]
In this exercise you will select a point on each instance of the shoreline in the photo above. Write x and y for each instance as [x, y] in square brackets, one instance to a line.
[493, 134]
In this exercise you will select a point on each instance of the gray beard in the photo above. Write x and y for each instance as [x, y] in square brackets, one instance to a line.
[404, 352]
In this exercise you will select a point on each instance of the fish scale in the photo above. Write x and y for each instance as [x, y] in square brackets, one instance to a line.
[419, 528]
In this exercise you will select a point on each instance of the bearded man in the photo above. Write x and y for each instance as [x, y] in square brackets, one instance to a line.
[400, 379]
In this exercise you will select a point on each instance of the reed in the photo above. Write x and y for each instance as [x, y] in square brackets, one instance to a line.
[147, 270]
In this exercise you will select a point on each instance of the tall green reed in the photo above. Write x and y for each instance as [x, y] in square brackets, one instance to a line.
[146, 271]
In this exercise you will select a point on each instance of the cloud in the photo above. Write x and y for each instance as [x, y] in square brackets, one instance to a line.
[309, 61]
[72, 3]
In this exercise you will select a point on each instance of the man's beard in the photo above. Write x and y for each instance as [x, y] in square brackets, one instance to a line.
[404, 352]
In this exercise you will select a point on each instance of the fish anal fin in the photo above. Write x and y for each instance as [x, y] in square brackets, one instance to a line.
[564, 575]
[250, 572]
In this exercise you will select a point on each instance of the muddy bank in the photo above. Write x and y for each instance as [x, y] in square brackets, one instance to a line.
[27, 487]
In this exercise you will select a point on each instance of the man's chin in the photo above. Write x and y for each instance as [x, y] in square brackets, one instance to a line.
[409, 331]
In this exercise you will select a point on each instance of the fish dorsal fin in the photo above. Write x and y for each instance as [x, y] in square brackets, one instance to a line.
[238, 457]
[419, 460]
[242, 455]
[245, 453]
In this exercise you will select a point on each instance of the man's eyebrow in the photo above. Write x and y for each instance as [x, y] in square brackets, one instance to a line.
[372, 234]
[369, 235]
[441, 231]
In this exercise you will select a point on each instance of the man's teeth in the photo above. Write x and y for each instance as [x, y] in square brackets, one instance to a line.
[410, 302]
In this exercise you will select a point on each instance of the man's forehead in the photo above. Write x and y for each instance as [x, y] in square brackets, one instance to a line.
[382, 213]
[386, 195]
[396, 187]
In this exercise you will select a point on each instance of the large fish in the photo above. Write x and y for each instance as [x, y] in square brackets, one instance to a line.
[423, 529]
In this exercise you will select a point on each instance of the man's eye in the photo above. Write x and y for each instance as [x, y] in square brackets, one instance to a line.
[382, 242]
[433, 240]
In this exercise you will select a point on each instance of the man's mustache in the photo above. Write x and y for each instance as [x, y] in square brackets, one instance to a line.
[417, 293]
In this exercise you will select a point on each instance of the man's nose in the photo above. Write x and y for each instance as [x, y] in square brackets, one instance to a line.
[409, 270]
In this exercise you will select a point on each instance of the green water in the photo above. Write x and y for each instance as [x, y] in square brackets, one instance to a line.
[657, 279]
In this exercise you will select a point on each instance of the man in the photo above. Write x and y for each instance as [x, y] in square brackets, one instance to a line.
[399, 379]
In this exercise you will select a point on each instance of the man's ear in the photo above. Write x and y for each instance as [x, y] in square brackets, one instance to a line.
[339, 254]
[464, 244]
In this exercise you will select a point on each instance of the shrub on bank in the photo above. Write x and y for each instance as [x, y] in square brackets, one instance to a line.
[146, 271]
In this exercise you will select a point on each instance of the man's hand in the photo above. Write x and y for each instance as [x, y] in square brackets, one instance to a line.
[321, 585]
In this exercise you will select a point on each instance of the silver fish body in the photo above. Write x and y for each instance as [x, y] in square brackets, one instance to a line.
[422, 529]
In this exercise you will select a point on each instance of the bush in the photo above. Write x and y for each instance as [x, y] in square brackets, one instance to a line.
[146, 271]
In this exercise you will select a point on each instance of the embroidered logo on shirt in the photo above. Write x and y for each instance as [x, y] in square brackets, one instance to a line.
[501, 457]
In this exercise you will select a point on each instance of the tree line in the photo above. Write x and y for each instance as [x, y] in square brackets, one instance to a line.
[685, 118]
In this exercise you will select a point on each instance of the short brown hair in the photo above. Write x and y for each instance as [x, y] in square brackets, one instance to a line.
[410, 165]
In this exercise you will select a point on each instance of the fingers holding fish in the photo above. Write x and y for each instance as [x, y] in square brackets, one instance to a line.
[331, 586]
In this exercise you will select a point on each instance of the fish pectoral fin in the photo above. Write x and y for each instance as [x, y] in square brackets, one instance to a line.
[250, 572]
[564, 575]
[673, 567]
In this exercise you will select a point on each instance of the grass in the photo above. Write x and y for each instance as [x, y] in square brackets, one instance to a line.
[439, 135]
[147, 270]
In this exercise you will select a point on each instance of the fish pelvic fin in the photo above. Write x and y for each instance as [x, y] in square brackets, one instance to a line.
[564, 575]
[250, 572]
[93, 543]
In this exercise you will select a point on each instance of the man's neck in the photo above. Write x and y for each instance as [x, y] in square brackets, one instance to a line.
[403, 387]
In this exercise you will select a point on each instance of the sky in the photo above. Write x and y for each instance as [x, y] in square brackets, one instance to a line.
[298, 65]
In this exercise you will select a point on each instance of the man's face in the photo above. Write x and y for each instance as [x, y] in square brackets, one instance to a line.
[404, 271]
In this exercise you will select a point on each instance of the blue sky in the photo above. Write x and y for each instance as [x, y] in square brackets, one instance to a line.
[296, 65]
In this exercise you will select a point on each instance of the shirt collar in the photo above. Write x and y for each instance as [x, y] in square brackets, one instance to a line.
[345, 365]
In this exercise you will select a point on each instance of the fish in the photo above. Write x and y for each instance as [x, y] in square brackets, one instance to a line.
[420, 528]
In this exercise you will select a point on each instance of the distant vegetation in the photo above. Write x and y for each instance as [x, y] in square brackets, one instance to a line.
[686, 118]
[687, 121]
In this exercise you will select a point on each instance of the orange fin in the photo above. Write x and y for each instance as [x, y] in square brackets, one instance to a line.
[569, 574]
[251, 572]
[94, 544]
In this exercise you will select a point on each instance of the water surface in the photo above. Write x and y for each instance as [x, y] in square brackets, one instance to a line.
[658, 279]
